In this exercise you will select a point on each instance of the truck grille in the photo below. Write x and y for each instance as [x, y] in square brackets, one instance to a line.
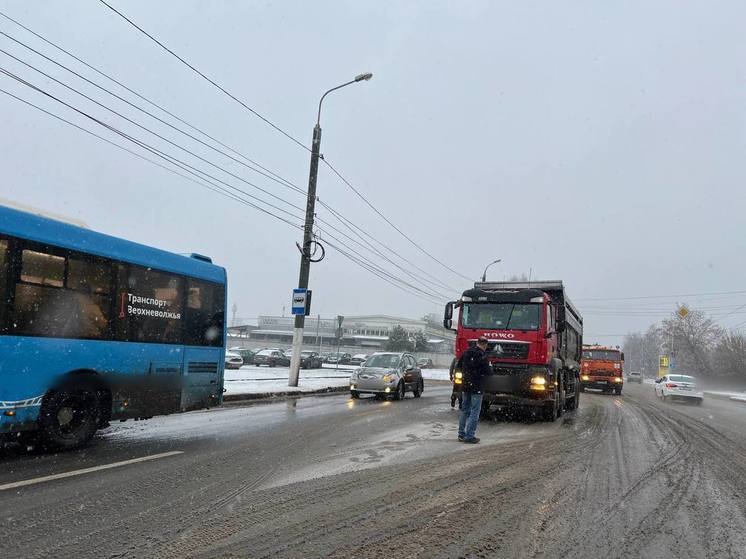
[508, 350]
[507, 369]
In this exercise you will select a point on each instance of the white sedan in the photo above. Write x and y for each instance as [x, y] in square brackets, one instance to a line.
[678, 386]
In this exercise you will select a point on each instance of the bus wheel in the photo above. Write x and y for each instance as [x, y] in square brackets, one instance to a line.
[70, 416]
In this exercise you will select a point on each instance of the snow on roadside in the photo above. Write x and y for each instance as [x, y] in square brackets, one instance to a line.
[251, 379]
[738, 396]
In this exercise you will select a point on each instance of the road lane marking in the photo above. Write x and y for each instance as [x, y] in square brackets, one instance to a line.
[17, 484]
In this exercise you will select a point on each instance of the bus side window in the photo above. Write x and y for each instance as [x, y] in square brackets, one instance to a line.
[205, 314]
[53, 298]
[153, 306]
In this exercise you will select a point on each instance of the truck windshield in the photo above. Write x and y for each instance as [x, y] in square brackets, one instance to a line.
[602, 355]
[501, 316]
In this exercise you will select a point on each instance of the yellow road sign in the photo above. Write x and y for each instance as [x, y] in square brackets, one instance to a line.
[683, 312]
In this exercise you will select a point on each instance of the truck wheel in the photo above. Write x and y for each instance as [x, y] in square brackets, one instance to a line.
[618, 391]
[550, 412]
[562, 402]
[70, 416]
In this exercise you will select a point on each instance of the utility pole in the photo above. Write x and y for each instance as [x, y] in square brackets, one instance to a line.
[306, 252]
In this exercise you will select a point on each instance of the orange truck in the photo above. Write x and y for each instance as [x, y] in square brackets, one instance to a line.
[602, 367]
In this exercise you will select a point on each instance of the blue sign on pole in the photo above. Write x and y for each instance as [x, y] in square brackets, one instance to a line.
[299, 301]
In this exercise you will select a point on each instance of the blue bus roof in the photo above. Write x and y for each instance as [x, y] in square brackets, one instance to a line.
[25, 225]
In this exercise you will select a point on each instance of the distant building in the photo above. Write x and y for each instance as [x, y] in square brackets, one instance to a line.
[368, 331]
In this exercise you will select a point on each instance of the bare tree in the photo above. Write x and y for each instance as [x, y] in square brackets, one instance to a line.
[692, 341]
[729, 358]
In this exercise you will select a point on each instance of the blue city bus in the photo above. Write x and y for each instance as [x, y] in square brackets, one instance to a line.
[94, 328]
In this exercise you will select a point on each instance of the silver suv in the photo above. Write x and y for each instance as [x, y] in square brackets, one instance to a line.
[388, 374]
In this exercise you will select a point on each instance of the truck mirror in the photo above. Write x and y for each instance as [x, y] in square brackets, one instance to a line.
[448, 315]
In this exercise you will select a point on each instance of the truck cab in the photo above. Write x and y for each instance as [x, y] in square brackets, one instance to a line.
[602, 368]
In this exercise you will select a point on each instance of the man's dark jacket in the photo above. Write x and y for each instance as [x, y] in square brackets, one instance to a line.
[474, 366]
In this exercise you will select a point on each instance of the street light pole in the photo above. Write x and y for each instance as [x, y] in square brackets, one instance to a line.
[484, 275]
[306, 253]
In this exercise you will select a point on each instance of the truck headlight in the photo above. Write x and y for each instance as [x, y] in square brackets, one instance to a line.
[538, 383]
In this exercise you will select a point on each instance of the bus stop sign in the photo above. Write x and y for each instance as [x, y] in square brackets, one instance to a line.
[299, 301]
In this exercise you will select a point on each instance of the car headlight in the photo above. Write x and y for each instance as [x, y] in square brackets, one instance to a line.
[585, 377]
[389, 378]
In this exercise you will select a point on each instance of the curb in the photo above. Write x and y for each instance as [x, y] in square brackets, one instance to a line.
[230, 398]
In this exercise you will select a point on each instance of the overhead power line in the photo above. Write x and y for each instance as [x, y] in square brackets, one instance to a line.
[661, 296]
[359, 259]
[140, 156]
[387, 220]
[274, 176]
[185, 166]
[205, 77]
[135, 93]
[266, 120]
[150, 131]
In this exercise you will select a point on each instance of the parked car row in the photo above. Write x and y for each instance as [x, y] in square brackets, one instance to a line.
[235, 357]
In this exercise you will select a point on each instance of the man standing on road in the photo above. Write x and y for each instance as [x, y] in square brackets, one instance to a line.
[475, 367]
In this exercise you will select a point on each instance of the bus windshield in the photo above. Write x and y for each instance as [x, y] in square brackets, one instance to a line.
[501, 316]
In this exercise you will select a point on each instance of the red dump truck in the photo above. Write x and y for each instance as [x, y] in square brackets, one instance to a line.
[535, 338]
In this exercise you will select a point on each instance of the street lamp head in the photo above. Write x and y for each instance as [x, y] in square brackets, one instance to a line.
[362, 77]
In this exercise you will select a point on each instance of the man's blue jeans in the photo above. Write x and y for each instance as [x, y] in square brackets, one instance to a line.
[469, 417]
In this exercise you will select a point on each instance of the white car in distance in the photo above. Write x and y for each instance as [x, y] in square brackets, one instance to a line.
[682, 387]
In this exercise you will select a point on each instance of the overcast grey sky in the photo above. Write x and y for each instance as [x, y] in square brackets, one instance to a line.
[594, 142]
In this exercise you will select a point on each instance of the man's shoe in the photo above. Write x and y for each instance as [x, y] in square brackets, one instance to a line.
[473, 440]
[461, 438]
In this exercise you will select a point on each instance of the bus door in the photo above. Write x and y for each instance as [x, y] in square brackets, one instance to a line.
[204, 339]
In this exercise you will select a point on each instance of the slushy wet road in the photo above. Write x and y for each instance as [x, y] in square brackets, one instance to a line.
[625, 476]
